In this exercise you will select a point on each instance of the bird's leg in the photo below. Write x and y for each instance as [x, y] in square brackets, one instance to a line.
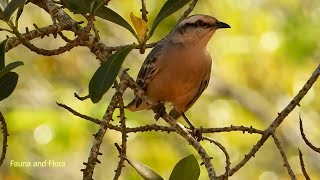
[196, 133]
[159, 110]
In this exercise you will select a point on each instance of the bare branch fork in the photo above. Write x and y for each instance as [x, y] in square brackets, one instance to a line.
[83, 37]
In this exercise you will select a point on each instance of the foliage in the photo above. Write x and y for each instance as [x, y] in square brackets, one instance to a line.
[8, 79]
[258, 67]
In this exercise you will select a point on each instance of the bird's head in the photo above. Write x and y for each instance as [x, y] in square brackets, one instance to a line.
[197, 29]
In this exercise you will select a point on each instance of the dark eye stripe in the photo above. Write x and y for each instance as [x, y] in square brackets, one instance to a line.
[197, 24]
[183, 28]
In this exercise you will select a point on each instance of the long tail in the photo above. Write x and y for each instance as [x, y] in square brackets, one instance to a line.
[132, 106]
[174, 113]
[135, 105]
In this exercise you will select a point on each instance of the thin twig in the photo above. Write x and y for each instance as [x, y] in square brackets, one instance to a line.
[41, 32]
[316, 149]
[188, 11]
[5, 138]
[224, 150]
[154, 127]
[144, 11]
[79, 114]
[81, 98]
[94, 152]
[284, 157]
[185, 14]
[70, 45]
[281, 116]
[244, 129]
[305, 173]
[123, 152]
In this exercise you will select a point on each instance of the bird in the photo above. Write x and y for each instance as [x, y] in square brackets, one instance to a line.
[177, 70]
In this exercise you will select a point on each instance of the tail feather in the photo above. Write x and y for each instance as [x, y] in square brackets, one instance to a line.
[174, 113]
[132, 106]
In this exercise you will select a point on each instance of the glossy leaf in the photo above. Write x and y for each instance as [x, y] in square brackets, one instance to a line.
[186, 169]
[95, 4]
[1, 12]
[109, 15]
[2, 53]
[10, 67]
[170, 7]
[105, 75]
[19, 12]
[141, 28]
[8, 84]
[11, 7]
[83, 6]
[144, 171]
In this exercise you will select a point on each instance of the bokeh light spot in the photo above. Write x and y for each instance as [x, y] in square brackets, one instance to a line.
[43, 134]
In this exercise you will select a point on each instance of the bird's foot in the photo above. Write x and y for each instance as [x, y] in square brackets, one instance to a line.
[159, 110]
[196, 133]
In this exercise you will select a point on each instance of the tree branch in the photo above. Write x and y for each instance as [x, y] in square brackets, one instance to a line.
[305, 173]
[123, 152]
[281, 116]
[144, 11]
[223, 149]
[5, 138]
[40, 32]
[284, 157]
[107, 117]
[316, 149]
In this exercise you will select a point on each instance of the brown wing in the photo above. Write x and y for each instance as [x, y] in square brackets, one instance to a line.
[203, 86]
[148, 70]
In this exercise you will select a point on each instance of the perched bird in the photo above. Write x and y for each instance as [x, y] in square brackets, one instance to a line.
[177, 70]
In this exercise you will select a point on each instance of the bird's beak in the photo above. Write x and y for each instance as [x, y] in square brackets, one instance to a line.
[220, 25]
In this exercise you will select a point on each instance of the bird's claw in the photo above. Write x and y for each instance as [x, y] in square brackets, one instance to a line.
[159, 110]
[196, 133]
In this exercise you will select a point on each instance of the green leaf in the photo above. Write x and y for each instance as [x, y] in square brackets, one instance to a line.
[20, 10]
[1, 12]
[77, 6]
[109, 15]
[83, 6]
[8, 84]
[170, 7]
[95, 4]
[186, 169]
[12, 6]
[105, 75]
[3, 4]
[144, 171]
[10, 67]
[2, 53]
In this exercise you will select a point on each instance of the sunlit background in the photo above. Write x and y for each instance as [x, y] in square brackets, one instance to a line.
[259, 65]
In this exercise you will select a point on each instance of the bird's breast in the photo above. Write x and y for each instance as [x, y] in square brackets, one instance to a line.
[180, 74]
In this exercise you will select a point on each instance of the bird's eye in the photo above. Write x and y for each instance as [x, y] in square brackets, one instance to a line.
[199, 23]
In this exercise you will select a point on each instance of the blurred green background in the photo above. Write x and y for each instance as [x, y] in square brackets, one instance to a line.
[259, 65]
